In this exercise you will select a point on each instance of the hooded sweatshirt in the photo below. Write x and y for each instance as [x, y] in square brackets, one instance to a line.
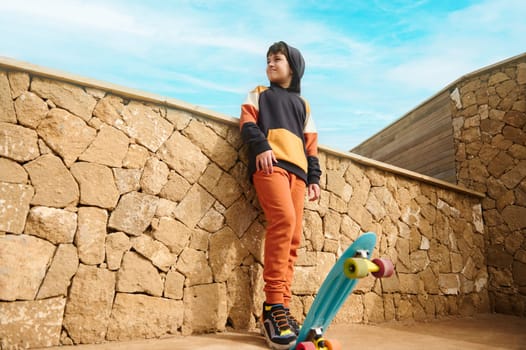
[279, 119]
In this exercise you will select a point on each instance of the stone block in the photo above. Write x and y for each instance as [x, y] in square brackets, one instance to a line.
[30, 109]
[18, 143]
[138, 275]
[190, 164]
[89, 305]
[109, 147]
[62, 269]
[65, 95]
[172, 233]
[19, 82]
[91, 235]
[155, 251]
[7, 110]
[116, 245]
[54, 185]
[205, 308]
[145, 125]
[66, 134]
[194, 206]
[31, 324]
[12, 172]
[97, 187]
[154, 176]
[225, 253]
[211, 144]
[15, 199]
[134, 213]
[193, 264]
[55, 225]
[137, 316]
[24, 261]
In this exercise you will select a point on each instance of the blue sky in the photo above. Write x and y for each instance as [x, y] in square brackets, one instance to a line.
[368, 62]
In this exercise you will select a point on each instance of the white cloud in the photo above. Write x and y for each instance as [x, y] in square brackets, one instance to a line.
[74, 14]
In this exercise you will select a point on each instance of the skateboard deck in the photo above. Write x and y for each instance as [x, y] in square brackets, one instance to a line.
[337, 286]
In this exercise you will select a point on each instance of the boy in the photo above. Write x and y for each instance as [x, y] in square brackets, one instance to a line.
[275, 122]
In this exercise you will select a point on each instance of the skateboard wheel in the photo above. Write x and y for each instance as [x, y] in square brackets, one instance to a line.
[333, 344]
[305, 345]
[386, 268]
[355, 268]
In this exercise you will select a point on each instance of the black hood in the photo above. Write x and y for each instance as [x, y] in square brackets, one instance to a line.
[297, 64]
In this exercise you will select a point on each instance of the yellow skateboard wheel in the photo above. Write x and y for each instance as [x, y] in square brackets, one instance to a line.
[355, 268]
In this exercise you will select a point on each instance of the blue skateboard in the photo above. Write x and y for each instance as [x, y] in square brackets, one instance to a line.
[355, 263]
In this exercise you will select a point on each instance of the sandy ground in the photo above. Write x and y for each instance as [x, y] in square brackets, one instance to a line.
[482, 332]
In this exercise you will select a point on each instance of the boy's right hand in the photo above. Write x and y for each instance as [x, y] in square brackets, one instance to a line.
[265, 161]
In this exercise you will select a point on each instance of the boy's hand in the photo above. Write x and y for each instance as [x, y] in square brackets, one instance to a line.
[314, 192]
[265, 161]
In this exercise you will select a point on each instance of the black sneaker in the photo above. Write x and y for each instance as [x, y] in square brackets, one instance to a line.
[293, 323]
[275, 327]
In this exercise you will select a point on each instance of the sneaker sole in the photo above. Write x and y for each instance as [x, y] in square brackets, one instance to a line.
[271, 344]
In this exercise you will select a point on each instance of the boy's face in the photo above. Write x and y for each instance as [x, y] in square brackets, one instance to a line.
[278, 70]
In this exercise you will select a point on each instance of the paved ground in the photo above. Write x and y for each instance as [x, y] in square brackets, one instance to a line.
[482, 332]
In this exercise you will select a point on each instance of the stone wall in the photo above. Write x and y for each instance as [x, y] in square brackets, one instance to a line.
[489, 122]
[127, 216]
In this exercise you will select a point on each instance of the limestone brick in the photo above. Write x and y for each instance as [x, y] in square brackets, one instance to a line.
[240, 216]
[55, 225]
[172, 233]
[30, 109]
[116, 245]
[225, 253]
[190, 164]
[24, 260]
[109, 147]
[12, 172]
[18, 143]
[140, 316]
[15, 200]
[239, 301]
[175, 188]
[31, 324]
[138, 275]
[7, 110]
[53, 183]
[174, 285]
[19, 82]
[154, 176]
[66, 134]
[136, 157]
[64, 95]
[89, 304]
[194, 266]
[91, 235]
[211, 144]
[145, 125]
[134, 213]
[109, 109]
[127, 180]
[194, 206]
[58, 278]
[97, 186]
[205, 308]
[155, 251]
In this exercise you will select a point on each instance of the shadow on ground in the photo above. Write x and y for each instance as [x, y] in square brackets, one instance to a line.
[477, 333]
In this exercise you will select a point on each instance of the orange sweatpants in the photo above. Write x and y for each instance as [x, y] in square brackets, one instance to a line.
[282, 196]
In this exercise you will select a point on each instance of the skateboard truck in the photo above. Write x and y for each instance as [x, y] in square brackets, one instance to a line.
[362, 253]
[316, 336]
